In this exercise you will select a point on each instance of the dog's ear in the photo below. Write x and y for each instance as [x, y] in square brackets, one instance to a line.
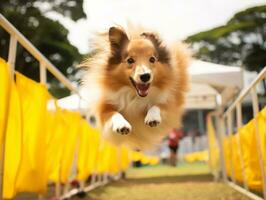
[163, 53]
[118, 40]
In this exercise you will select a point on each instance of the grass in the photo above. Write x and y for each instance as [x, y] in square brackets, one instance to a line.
[185, 182]
[165, 170]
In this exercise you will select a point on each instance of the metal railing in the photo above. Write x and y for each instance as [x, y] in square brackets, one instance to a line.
[225, 121]
[17, 37]
[44, 64]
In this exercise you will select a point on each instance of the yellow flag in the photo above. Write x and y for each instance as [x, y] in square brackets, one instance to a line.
[13, 134]
[70, 144]
[87, 150]
[33, 98]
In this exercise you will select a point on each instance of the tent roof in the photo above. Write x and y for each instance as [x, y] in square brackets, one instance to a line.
[218, 80]
[215, 74]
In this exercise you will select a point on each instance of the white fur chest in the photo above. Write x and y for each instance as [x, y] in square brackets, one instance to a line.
[128, 101]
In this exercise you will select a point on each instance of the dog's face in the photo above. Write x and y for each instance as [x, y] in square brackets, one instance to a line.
[140, 62]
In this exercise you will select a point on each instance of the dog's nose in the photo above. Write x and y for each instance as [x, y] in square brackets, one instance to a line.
[145, 77]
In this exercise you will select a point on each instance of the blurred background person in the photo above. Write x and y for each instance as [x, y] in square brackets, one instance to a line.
[173, 144]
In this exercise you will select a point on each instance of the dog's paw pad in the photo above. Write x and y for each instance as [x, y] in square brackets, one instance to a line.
[123, 130]
[120, 125]
[153, 123]
[153, 117]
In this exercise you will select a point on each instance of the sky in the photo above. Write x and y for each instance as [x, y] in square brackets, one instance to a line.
[173, 19]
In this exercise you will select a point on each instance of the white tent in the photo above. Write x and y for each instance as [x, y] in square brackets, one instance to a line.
[72, 102]
[210, 84]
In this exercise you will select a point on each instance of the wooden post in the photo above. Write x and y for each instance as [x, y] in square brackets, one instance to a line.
[57, 189]
[43, 81]
[43, 78]
[12, 54]
[230, 132]
[220, 136]
[255, 105]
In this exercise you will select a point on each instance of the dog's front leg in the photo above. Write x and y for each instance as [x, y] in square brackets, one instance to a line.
[120, 124]
[153, 116]
[110, 118]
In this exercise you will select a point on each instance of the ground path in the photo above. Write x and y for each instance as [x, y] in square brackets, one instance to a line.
[185, 182]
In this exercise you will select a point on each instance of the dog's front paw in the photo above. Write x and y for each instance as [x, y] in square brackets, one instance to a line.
[120, 124]
[153, 117]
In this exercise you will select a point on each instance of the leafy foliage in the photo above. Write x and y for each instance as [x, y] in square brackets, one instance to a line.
[49, 36]
[241, 42]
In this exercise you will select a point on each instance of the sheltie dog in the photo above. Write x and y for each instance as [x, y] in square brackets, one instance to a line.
[136, 86]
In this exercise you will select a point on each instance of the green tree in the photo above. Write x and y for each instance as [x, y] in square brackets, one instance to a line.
[240, 42]
[49, 36]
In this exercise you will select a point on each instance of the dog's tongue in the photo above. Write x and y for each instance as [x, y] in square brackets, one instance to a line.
[142, 89]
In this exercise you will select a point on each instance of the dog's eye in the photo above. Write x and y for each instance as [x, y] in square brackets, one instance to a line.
[152, 59]
[130, 60]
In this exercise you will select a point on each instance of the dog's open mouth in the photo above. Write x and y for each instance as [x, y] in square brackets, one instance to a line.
[141, 88]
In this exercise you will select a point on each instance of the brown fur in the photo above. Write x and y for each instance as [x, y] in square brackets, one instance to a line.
[109, 72]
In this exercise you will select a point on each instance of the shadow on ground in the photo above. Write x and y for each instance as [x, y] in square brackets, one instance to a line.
[169, 179]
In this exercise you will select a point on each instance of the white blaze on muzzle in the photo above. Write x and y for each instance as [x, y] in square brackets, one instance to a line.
[140, 70]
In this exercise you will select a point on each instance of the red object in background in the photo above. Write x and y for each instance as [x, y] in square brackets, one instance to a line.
[53, 198]
[174, 137]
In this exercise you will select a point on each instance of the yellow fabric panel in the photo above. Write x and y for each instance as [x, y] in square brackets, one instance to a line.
[236, 159]
[227, 155]
[50, 134]
[55, 143]
[149, 160]
[87, 151]
[145, 159]
[4, 87]
[136, 156]
[154, 161]
[108, 158]
[99, 159]
[197, 156]
[262, 132]
[250, 156]
[82, 166]
[125, 157]
[13, 145]
[70, 143]
[214, 160]
[105, 157]
[94, 149]
[33, 96]
[114, 160]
